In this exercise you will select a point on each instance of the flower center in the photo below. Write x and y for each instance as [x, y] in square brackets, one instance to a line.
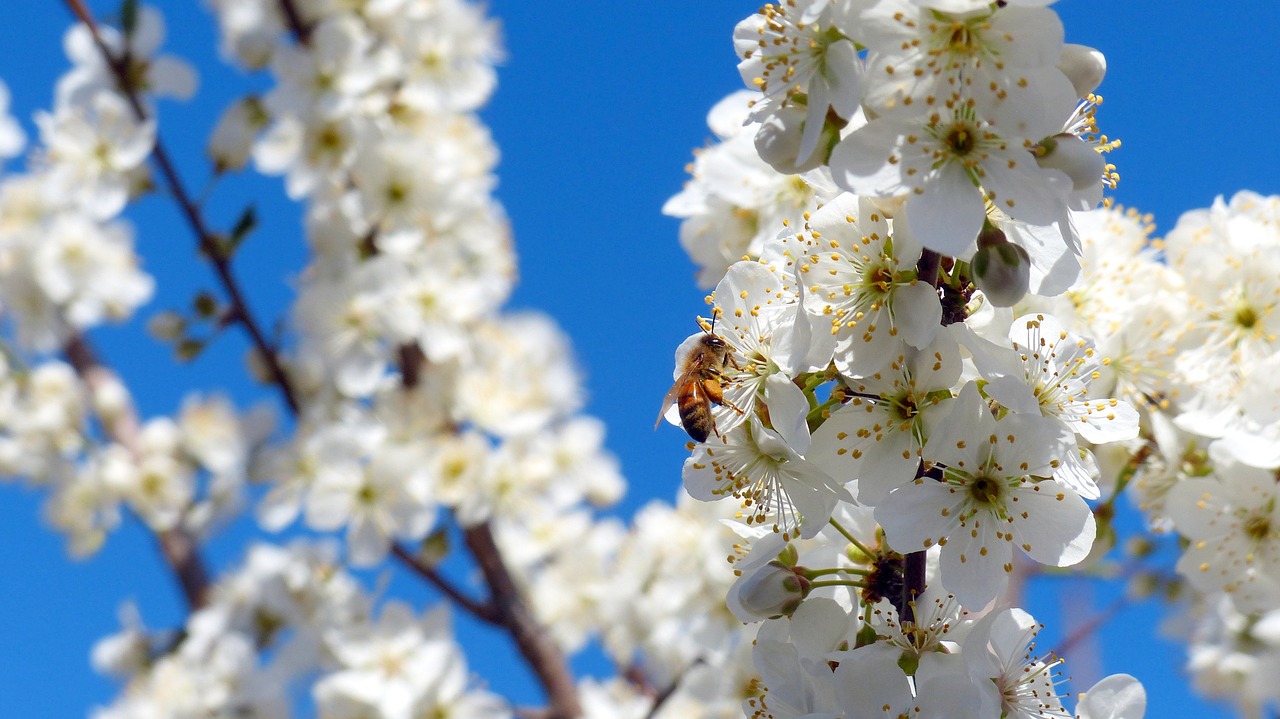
[961, 140]
[1258, 528]
[985, 490]
[1245, 316]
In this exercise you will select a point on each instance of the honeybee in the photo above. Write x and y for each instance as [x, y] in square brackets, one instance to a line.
[698, 386]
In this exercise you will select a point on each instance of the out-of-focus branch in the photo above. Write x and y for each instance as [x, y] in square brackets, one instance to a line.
[506, 606]
[482, 611]
[293, 19]
[180, 549]
[533, 641]
[1086, 628]
[209, 245]
[669, 690]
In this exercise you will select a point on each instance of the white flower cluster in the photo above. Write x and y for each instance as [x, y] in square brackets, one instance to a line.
[891, 432]
[418, 396]
[1191, 325]
[286, 614]
[421, 407]
[67, 264]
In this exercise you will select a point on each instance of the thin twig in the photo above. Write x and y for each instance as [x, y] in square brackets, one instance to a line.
[208, 243]
[533, 641]
[482, 611]
[180, 550]
[1091, 625]
[293, 19]
[669, 690]
[510, 611]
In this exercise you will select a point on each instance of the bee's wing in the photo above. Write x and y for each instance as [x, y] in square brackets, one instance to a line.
[674, 393]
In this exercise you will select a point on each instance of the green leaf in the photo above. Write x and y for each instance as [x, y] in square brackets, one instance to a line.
[190, 348]
[247, 223]
[205, 305]
[129, 17]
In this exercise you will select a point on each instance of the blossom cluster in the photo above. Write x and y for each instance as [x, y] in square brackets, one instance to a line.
[422, 408]
[904, 407]
[1190, 323]
[68, 266]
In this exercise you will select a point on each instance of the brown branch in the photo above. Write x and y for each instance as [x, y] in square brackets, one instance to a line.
[506, 604]
[913, 572]
[483, 611]
[537, 647]
[1091, 625]
[293, 18]
[179, 548]
[208, 243]
[669, 690]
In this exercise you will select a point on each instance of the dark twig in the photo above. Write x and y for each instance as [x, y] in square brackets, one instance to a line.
[208, 243]
[180, 549]
[537, 647]
[913, 579]
[482, 611]
[293, 19]
[669, 690]
[1091, 625]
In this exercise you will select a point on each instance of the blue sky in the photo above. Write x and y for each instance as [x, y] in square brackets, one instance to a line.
[598, 108]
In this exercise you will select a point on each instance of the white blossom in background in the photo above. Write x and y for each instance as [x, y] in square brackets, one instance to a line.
[156, 75]
[12, 138]
[734, 202]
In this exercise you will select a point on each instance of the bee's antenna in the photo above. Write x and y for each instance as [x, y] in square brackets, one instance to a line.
[715, 312]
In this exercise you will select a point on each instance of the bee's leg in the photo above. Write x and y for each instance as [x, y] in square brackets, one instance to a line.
[715, 392]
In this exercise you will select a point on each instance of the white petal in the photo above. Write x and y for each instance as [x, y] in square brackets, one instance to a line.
[1058, 529]
[1119, 696]
[917, 313]
[867, 161]
[948, 215]
[788, 408]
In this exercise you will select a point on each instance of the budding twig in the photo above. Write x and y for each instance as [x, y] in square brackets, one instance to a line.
[506, 606]
[537, 647]
[180, 549]
[293, 18]
[208, 243]
[482, 611]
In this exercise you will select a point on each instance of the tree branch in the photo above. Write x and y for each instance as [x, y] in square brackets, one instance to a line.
[179, 548]
[483, 611]
[506, 604]
[537, 647]
[293, 19]
[913, 573]
[206, 239]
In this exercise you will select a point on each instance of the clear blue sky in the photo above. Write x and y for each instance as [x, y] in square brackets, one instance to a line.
[598, 108]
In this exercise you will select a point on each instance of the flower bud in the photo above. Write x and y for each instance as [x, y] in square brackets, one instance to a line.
[233, 137]
[771, 590]
[778, 141]
[1083, 66]
[1001, 269]
[1075, 158]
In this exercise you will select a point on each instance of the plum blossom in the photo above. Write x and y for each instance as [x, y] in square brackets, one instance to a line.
[993, 493]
